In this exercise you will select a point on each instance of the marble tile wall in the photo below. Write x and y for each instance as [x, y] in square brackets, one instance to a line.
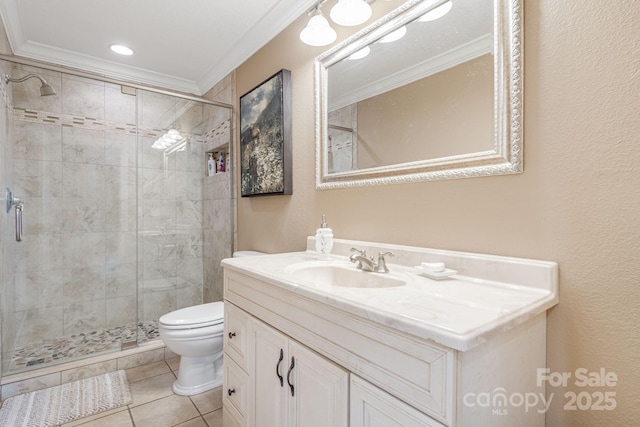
[217, 233]
[218, 225]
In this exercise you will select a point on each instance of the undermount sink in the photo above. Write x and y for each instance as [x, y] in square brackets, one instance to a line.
[341, 274]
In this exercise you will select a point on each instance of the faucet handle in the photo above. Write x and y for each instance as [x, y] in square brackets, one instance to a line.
[354, 257]
[382, 263]
[362, 252]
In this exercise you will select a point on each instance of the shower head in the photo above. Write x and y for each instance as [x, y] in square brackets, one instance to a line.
[45, 90]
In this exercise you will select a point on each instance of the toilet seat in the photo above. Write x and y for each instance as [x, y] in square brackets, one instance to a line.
[197, 316]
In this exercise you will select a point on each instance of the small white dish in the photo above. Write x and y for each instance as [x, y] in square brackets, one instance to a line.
[432, 266]
[436, 275]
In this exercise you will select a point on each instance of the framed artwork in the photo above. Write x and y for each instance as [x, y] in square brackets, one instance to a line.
[265, 137]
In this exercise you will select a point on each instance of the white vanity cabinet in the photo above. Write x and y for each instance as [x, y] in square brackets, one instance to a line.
[352, 362]
[284, 384]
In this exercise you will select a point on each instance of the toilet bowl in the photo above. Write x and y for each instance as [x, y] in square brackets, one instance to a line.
[195, 334]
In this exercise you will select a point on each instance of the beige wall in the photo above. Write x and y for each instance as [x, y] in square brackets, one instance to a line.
[577, 202]
[445, 114]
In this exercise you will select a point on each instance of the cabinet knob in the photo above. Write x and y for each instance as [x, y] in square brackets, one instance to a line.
[231, 391]
[232, 334]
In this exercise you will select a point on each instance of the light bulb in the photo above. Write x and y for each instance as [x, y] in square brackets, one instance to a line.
[437, 13]
[318, 32]
[350, 12]
[361, 53]
[396, 35]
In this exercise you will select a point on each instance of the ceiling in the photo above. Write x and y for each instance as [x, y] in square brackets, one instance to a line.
[183, 45]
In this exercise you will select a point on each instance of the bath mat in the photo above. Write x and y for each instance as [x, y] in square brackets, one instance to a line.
[67, 402]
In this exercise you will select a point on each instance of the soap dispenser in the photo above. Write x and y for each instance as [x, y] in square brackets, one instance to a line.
[324, 240]
[211, 165]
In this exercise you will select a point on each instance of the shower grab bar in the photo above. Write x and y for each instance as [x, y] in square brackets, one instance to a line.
[15, 201]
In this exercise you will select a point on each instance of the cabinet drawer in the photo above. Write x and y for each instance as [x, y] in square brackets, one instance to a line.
[234, 391]
[236, 332]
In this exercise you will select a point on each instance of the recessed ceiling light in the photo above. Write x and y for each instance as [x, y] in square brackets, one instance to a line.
[121, 49]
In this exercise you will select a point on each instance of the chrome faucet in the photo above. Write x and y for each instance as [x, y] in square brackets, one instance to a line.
[365, 263]
[361, 260]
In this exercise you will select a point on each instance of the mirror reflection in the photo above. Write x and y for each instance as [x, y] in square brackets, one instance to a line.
[417, 92]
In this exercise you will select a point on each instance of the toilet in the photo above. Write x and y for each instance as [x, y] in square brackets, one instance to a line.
[196, 335]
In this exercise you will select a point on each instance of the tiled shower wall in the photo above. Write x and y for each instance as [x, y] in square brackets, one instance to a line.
[217, 230]
[218, 225]
[81, 172]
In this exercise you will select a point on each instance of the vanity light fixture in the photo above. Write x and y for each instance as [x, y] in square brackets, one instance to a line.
[394, 36]
[436, 13]
[121, 49]
[318, 32]
[350, 12]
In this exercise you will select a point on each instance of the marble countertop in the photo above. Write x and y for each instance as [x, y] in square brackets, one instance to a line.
[459, 312]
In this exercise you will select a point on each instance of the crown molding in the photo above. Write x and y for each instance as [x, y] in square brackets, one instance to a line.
[279, 17]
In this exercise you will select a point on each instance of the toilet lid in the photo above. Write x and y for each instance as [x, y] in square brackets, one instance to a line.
[197, 315]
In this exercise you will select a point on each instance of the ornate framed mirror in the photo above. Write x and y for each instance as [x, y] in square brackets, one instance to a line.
[442, 101]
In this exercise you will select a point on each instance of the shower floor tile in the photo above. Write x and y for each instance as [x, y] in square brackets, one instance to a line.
[79, 345]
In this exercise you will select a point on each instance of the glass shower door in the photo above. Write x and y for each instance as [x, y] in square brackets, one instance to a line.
[72, 291]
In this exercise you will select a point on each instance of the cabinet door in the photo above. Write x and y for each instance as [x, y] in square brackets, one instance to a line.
[318, 389]
[372, 407]
[269, 370]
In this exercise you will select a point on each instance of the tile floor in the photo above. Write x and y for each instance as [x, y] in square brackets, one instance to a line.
[155, 405]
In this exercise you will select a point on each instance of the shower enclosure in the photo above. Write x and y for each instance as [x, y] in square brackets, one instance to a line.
[121, 223]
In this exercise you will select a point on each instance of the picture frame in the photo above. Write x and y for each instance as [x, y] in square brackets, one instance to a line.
[265, 137]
